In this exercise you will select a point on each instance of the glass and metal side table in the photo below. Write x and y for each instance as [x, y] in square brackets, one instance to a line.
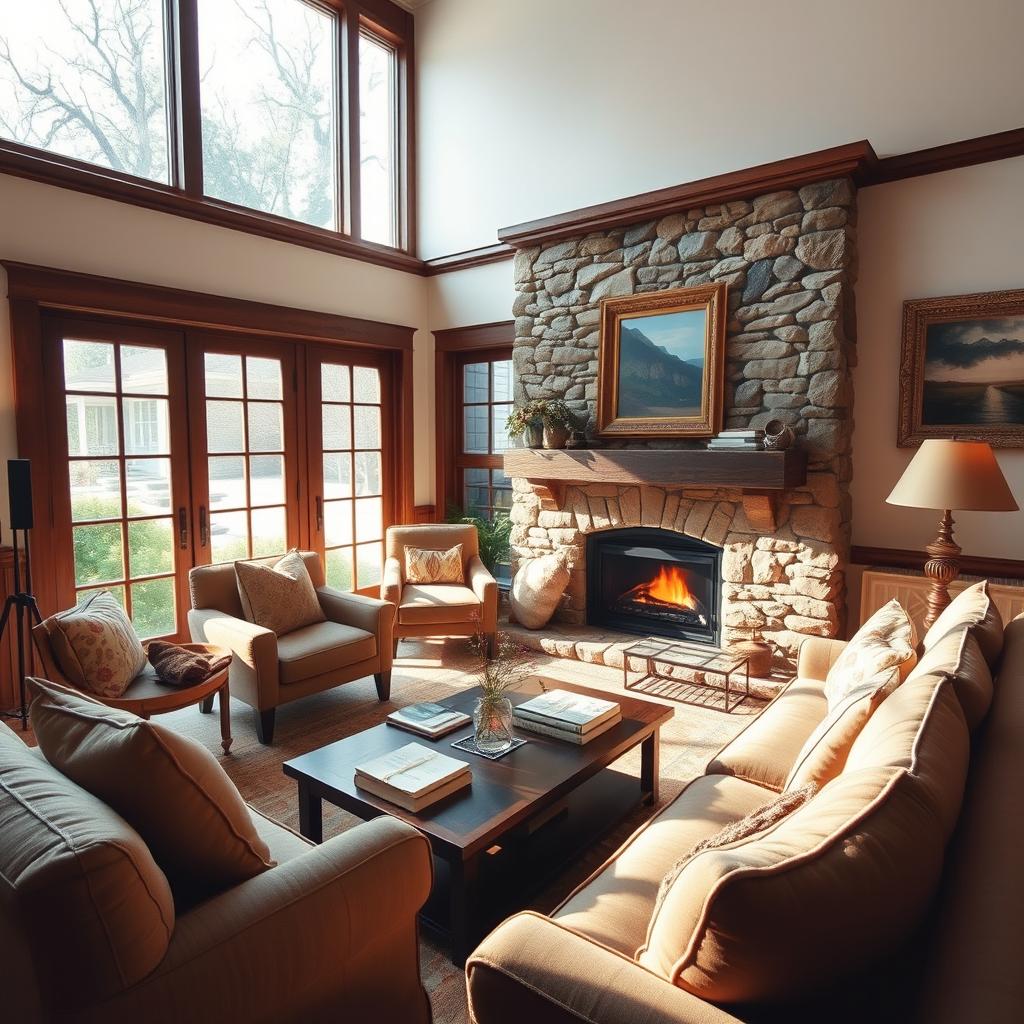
[686, 672]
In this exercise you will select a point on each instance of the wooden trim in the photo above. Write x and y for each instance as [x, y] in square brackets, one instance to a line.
[459, 339]
[904, 558]
[478, 257]
[966, 153]
[853, 160]
[423, 514]
[188, 123]
[84, 293]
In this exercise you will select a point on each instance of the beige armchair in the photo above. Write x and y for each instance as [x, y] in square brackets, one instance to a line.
[440, 609]
[269, 670]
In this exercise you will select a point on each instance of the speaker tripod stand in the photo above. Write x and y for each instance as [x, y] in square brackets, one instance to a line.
[26, 614]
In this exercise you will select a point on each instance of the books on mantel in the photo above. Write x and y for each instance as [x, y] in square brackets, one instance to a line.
[737, 440]
[567, 716]
[428, 719]
[413, 777]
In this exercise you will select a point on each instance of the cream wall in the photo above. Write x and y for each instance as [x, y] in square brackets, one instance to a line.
[59, 228]
[943, 234]
[534, 107]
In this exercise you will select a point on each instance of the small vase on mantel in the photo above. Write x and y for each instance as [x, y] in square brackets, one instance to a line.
[533, 436]
[778, 436]
[555, 435]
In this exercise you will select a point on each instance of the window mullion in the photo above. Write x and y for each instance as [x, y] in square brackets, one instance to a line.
[188, 114]
[350, 73]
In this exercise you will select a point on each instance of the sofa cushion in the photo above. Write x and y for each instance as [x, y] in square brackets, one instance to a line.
[97, 909]
[822, 757]
[972, 607]
[886, 640]
[280, 597]
[321, 648]
[435, 604]
[167, 786]
[614, 905]
[95, 645]
[427, 565]
[958, 655]
[765, 751]
[841, 882]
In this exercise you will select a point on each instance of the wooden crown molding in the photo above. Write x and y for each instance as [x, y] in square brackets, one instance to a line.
[469, 258]
[903, 558]
[460, 339]
[85, 293]
[984, 149]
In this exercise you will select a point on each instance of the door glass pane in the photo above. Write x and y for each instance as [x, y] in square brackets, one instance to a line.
[146, 426]
[143, 370]
[266, 479]
[222, 375]
[229, 536]
[88, 366]
[337, 475]
[475, 423]
[266, 428]
[263, 377]
[334, 383]
[268, 532]
[227, 482]
[366, 383]
[368, 473]
[88, 81]
[368, 564]
[224, 429]
[367, 424]
[337, 426]
[337, 522]
[268, 106]
[377, 119]
[92, 425]
[99, 553]
[339, 569]
[149, 486]
[150, 547]
[153, 612]
[368, 519]
[95, 489]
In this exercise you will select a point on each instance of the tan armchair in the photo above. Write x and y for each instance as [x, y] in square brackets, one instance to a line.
[440, 609]
[269, 670]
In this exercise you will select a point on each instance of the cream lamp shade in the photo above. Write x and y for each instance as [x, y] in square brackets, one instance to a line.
[954, 475]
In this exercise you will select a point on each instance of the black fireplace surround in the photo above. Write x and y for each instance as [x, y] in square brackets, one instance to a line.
[655, 583]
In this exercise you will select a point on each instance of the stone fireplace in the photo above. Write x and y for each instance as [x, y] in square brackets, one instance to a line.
[789, 261]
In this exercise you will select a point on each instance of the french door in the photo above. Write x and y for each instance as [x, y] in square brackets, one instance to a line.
[183, 448]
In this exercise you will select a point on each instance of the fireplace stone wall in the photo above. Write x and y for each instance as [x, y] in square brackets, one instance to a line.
[789, 261]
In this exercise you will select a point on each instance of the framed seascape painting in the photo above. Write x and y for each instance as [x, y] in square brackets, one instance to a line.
[660, 364]
[962, 369]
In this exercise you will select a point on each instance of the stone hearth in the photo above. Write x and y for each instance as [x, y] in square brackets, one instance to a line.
[789, 261]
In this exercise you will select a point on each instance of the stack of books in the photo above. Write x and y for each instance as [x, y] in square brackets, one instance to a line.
[567, 716]
[428, 719]
[413, 777]
[737, 441]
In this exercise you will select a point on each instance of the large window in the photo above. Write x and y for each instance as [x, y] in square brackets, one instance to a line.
[239, 111]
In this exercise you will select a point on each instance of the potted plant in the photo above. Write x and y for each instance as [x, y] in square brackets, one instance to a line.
[524, 421]
[492, 716]
[550, 417]
[493, 535]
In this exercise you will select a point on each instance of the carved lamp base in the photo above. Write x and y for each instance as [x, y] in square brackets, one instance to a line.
[942, 567]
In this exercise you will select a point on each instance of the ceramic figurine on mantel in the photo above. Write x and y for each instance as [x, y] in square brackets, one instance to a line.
[550, 418]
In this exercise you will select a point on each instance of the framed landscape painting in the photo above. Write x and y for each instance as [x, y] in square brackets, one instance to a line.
[660, 364]
[962, 369]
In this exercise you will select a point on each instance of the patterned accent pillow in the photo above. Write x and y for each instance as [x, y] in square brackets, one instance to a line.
[886, 640]
[425, 565]
[95, 645]
[280, 597]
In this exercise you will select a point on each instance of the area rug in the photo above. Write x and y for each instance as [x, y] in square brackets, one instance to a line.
[432, 670]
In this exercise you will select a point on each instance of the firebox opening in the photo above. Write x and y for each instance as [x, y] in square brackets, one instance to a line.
[654, 582]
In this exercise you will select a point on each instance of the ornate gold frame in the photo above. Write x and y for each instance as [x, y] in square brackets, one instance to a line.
[709, 297]
[918, 314]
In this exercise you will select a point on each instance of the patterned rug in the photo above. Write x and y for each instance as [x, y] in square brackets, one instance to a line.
[432, 670]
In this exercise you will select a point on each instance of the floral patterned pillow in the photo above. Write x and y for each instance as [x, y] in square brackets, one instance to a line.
[425, 565]
[95, 646]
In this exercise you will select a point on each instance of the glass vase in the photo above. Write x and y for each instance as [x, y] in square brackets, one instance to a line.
[492, 721]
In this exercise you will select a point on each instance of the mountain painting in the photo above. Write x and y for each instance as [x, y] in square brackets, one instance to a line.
[661, 364]
[974, 373]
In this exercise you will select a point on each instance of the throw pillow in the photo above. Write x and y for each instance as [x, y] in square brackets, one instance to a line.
[425, 565]
[95, 645]
[824, 754]
[886, 640]
[972, 607]
[169, 788]
[280, 597]
[180, 666]
[537, 588]
[756, 821]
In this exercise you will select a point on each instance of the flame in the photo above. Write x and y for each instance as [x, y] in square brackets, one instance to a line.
[668, 587]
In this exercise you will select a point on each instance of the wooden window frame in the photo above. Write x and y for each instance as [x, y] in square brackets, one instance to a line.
[35, 292]
[452, 350]
[184, 195]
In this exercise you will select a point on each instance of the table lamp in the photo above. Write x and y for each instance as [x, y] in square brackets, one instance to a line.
[948, 475]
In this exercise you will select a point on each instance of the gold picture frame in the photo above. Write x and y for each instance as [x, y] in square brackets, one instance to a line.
[661, 363]
[962, 369]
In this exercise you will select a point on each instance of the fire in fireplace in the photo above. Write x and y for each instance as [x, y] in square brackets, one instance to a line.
[656, 582]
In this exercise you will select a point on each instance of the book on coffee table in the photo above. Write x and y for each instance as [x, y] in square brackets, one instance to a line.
[428, 719]
[567, 735]
[569, 711]
[414, 776]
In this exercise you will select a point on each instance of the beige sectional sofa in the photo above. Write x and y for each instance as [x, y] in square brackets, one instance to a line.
[849, 908]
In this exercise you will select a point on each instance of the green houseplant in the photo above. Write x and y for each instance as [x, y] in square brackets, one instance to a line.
[493, 535]
[550, 417]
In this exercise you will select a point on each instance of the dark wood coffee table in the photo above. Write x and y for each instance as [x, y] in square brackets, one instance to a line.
[489, 828]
